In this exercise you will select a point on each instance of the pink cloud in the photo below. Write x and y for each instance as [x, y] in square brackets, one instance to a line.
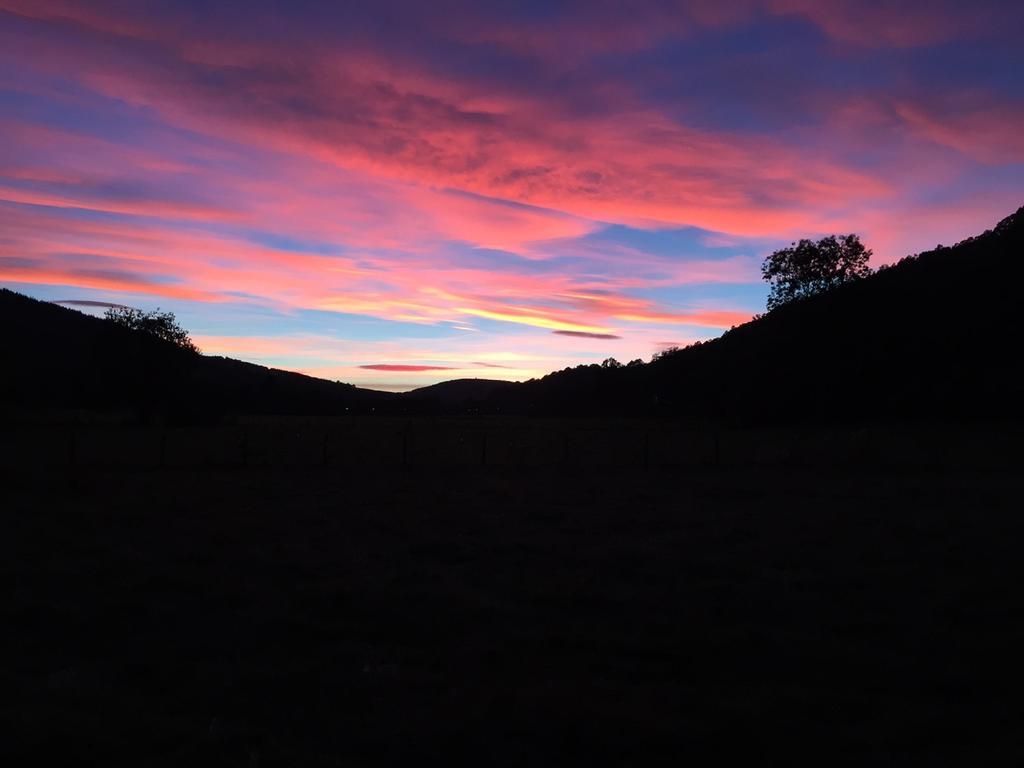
[988, 134]
[570, 37]
[522, 355]
[706, 318]
[367, 180]
[398, 368]
[140, 256]
[632, 166]
[900, 24]
[586, 335]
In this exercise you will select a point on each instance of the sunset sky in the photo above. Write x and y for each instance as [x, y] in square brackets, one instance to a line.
[397, 193]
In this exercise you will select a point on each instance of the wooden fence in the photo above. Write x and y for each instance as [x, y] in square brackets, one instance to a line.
[522, 444]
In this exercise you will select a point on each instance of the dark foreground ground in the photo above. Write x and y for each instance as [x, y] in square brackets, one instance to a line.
[511, 616]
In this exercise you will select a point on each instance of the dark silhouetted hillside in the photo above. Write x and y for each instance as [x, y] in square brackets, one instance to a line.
[59, 360]
[465, 395]
[934, 337]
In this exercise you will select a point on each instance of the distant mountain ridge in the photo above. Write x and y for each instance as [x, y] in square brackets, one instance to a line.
[934, 337]
[464, 394]
[60, 359]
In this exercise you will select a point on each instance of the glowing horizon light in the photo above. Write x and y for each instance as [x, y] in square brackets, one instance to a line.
[395, 204]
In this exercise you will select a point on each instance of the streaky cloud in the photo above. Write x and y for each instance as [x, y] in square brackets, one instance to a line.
[401, 368]
[88, 303]
[588, 335]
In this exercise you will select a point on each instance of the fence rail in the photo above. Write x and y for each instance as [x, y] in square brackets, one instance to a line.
[537, 444]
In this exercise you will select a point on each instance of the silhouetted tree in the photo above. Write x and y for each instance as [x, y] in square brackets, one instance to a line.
[671, 350]
[808, 267]
[611, 362]
[156, 323]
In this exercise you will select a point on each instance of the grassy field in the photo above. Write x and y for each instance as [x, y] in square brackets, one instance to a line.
[544, 616]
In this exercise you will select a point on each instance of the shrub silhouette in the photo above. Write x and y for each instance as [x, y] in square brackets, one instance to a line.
[162, 325]
[808, 267]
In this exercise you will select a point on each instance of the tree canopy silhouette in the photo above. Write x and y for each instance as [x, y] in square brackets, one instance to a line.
[809, 267]
[162, 325]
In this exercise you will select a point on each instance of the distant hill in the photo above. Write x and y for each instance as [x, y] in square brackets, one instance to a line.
[936, 337]
[463, 394]
[58, 360]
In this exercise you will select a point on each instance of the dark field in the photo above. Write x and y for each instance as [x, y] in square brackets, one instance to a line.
[508, 616]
